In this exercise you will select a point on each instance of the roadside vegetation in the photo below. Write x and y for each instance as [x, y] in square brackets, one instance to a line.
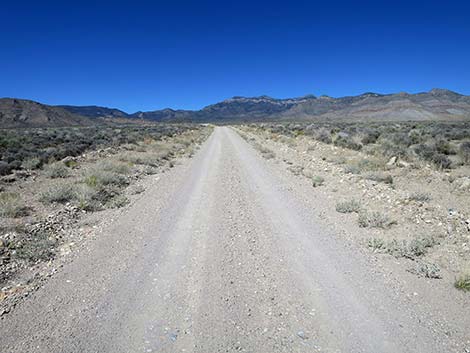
[50, 178]
[442, 144]
[30, 149]
[401, 188]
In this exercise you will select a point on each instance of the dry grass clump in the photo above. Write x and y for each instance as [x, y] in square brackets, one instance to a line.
[11, 205]
[375, 220]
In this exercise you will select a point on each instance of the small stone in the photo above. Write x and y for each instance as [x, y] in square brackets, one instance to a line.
[392, 161]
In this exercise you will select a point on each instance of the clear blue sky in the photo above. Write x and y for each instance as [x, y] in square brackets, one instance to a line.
[146, 55]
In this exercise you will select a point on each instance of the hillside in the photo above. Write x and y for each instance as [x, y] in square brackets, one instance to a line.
[93, 111]
[436, 104]
[26, 113]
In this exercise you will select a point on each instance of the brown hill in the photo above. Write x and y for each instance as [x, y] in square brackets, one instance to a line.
[25, 113]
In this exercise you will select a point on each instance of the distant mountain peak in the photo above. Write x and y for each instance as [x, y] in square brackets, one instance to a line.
[442, 91]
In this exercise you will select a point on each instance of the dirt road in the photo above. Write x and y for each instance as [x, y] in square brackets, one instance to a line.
[219, 255]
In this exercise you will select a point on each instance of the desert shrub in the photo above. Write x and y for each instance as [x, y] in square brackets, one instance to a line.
[70, 163]
[365, 165]
[96, 178]
[425, 269]
[430, 153]
[380, 177]
[444, 147]
[323, 135]
[141, 159]
[56, 170]
[5, 168]
[317, 181]
[352, 169]
[463, 282]
[464, 152]
[416, 136]
[265, 152]
[11, 205]
[118, 201]
[376, 244]
[390, 148]
[375, 220]
[60, 193]
[346, 141]
[150, 170]
[87, 198]
[349, 206]
[31, 163]
[115, 167]
[409, 249]
[441, 161]
[370, 137]
[400, 139]
[35, 247]
[420, 197]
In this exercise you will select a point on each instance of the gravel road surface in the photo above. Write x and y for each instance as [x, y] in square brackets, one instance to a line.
[219, 255]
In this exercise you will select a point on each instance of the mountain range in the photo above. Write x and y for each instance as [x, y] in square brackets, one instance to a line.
[437, 104]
